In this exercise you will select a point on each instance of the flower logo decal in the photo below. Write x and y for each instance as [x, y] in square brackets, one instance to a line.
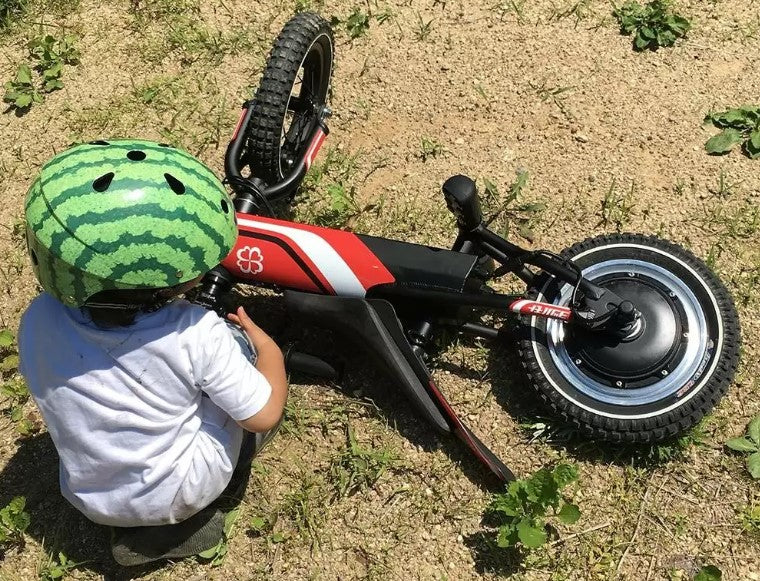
[250, 260]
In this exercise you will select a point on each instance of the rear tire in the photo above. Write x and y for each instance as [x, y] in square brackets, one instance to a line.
[653, 397]
[292, 92]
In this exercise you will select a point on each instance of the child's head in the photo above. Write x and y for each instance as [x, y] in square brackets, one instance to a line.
[123, 224]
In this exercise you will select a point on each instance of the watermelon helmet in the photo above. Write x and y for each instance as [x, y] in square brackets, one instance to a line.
[125, 215]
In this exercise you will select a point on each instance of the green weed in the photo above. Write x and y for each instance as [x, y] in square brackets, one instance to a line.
[709, 573]
[56, 567]
[331, 193]
[48, 54]
[652, 25]
[749, 444]
[556, 95]
[10, 11]
[617, 208]
[307, 6]
[577, 10]
[13, 522]
[523, 508]
[357, 467]
[357, 23]
[217, 554]
[509, 213]
[741, 125]
[13, 387]
[305, 506]
[423, 28]
[505, 7]
[430, 147]
[750, 519]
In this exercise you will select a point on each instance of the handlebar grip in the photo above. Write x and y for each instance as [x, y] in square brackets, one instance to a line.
[309, 364]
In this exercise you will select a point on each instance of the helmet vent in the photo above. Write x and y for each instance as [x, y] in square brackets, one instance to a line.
[177, 186]
[103, 182]
[225, 206]
[99, 142]
[136, 155]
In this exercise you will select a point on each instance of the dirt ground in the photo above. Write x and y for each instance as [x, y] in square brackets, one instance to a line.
[430, 89]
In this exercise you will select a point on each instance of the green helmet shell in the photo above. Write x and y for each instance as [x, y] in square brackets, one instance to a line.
[125, 214]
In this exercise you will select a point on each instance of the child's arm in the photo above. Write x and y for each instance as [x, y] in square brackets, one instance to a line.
[271, 364]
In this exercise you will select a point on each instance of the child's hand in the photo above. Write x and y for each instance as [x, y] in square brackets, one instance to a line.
[255, 333]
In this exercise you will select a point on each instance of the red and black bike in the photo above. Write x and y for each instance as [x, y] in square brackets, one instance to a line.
[628, 337]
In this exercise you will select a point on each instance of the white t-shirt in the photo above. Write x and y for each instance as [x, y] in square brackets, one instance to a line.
[139, 442]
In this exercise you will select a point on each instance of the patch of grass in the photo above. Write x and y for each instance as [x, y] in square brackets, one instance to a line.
[509, 213]
[328, 194]
[740, 125]
[13, 388]
[305, 506]
[14, 520]
[652, 25]
[188, 111]
[56, 567]
[617, 207]
[307, 6]
[48, 55]
[11, 11]
[357, 467]
[522, 509]
[176, 28]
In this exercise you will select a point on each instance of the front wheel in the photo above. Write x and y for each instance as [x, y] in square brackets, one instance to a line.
[670, 371]
[290, 98]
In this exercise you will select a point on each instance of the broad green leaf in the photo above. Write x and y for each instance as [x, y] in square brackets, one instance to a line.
[742, 445]
[753, 430]
[24, 75]
[532, 537]
[258, 523]
[754, 141]
[724, 141]
[23, 100]
[641, 42]
[569, 513]
[212, 552]
[507, 535]
[709, 573]
[753, 465]
[564, 474]
[9, 363]
[277, 538]
[6, 338]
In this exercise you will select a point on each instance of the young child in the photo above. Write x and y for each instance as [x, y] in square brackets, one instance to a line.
[146, 397]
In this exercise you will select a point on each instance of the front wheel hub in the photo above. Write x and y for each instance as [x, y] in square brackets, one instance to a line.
[645, 353]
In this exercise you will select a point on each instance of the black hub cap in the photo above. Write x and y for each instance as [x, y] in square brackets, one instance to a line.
[647, 352]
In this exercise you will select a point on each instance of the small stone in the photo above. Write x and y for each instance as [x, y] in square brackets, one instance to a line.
[581, 137]
[459, 140]
[460, 539]
[428, 492]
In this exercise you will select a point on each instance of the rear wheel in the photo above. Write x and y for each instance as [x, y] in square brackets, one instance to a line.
[671, 369]
[291, 95]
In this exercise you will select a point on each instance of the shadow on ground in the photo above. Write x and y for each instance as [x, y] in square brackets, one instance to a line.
[33, 473]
